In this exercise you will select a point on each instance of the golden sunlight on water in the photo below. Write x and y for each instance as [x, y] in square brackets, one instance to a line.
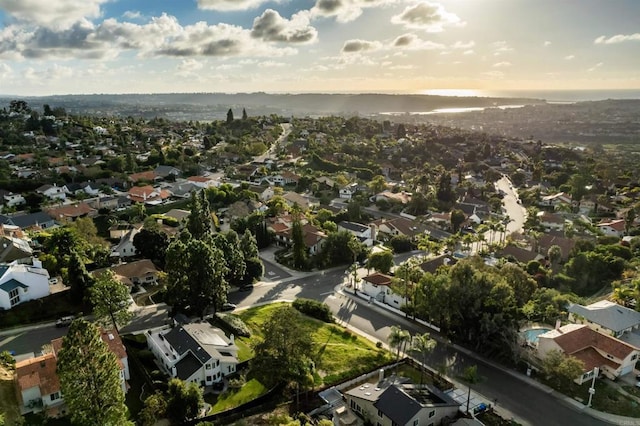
[453, 92]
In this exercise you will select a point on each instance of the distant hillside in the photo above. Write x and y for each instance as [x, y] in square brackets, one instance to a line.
[203, 106]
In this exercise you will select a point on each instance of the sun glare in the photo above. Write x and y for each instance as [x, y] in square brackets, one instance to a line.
[452, 92]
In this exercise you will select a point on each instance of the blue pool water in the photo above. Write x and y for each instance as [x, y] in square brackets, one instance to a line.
[531, 335]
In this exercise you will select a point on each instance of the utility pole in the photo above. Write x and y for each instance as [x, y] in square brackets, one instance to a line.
[592, 389]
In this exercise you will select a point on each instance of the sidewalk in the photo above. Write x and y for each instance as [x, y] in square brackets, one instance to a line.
[501, 411]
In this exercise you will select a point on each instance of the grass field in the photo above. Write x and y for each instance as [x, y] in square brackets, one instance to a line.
[250, 391]
[338, 353]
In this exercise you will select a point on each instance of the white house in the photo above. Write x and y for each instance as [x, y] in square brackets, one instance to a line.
[125, 247]
[378, 287]
[613, 228]
[613, 357]
[12, 200]
[197, 353]
[53, 192]
[20, 283]
[366, 234]
[551, 221]
[348, 191]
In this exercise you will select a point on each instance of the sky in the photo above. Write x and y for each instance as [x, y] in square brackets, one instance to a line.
[331, 46]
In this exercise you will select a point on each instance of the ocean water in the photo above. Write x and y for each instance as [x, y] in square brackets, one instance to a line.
[548, 95]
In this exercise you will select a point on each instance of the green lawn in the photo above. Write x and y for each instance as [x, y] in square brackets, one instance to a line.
[230, 399]
[338, 353]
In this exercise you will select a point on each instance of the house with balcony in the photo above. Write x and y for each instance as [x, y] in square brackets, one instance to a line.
[197, 353]
[20, 283]
[37, 384]
[613, 357]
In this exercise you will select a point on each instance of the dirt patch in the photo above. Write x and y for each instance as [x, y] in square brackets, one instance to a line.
[8, 401]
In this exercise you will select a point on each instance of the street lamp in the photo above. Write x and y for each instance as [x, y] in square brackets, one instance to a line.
[592, 389]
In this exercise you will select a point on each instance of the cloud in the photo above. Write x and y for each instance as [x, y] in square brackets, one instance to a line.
[618, 38]
[270, 26]
[431, 17]
[52, 14]
[413, 42]
[569, 57]
[132, 14]
[502, 64]
[463, 45]
[346, 10]
[547, 43]
[271, 64]
[501, 47]
[160, 36]
[5, 71]
[229, 5]
[352, 46]
[595, 67]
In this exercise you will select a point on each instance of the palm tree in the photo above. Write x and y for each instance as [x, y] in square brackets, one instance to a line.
[398, 338]
[424, 344]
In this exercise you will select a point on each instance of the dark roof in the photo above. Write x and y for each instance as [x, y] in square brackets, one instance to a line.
[187, 366]
[11, 284]
[401, 402]
[433, 264]
[437, 234]
[182, 342]
[30, 219]
[352, 226]
[519, 254]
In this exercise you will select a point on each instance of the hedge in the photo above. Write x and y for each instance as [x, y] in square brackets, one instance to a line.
[314, 309]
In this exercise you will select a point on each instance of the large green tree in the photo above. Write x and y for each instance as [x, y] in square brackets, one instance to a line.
[381, 261]
[78, 279]
[298, 246]
[200, 221]
[152, 244]
[195, 275]
[110, 299]
[90, 378]
[283, 354]
[184, 400]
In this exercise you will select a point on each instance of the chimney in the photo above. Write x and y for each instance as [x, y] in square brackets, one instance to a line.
[558, 324]
[380, 375]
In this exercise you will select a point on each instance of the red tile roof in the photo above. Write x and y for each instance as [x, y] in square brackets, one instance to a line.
[378, 278]
[582, 338]
[39, 371]
[148, 176]
[71, 211]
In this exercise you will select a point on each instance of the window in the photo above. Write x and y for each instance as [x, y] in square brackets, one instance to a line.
[207, 366]
[634, 357]
[432, 413]
[208, 378]
[14, 296]
[415, 422]
[55, 395]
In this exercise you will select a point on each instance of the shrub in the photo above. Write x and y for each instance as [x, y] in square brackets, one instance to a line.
[314, 309]
[234, 323]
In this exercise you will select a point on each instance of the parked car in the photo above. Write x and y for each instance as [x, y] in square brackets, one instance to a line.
[228, 307]
[64, 321]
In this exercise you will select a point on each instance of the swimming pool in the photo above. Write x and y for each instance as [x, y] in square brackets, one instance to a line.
[531, 335]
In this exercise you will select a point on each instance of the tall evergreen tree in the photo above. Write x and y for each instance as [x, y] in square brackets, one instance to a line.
[199, 221]
[78, 279]
[299, 248]
[244, 114]
[110, 300]
[230, 116]
[90, 378]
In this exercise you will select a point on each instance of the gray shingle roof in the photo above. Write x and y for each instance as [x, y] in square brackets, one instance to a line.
[182, 342]
[608, 314]
[187, 366]
[11, 284]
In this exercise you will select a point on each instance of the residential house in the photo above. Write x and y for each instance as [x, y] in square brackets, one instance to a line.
[37, 384]
[605, 317]
[323, 180]
[183, 189]
[401, 197]
[547, 240]
[348, 191]
[140, 272]
[551, 221]
[313, 236]
[304, 202]
[203, 181]
[166, 171]
[556, 200]
[178, 214]
[432, 265]
[614, 228]
[392, 404]
[197, 353]
[21, 283]
[126, 248]
[148, 176]
[109, 202]
[284, 178]
[613, 357]
[38, 220]
[53, 192]
[148, 195]
[265, 193]
[365, 234]
[71, 212]
[119, 230]
[13, 200]
[378, 287]
[13, 248]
